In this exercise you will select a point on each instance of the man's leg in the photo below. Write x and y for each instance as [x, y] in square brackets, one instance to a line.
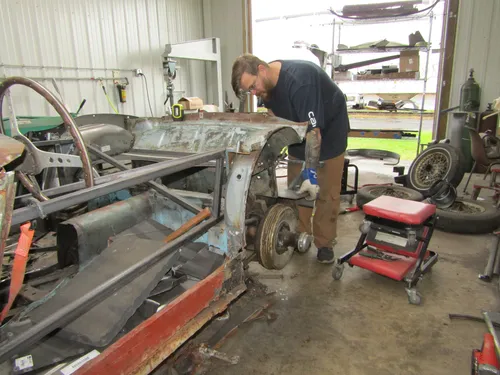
[293, 171]
[327, 207]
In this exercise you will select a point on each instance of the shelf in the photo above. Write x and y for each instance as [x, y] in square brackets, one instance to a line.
[382, 49]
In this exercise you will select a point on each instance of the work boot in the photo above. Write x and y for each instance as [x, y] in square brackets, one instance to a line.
[325, 255]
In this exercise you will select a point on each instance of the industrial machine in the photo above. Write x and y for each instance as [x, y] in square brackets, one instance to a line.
[394, 240]
[140, 229]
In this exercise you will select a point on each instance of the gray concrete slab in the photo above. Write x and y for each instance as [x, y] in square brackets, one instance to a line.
[363, 323]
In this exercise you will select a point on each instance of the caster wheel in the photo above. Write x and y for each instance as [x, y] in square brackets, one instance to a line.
[337, 271]
[414, 297]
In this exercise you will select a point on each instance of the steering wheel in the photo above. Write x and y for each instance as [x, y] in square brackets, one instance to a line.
[36, 160]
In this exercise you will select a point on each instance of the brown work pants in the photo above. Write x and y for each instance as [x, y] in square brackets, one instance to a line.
[324, 223]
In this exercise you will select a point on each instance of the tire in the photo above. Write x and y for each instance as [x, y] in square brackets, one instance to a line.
[277, 217]
[369, 193]
[485, 219]
[438, 162]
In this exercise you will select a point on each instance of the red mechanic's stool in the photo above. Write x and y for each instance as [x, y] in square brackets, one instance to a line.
[394, 238]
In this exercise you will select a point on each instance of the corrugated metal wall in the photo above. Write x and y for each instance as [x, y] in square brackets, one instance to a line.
[91, 38]
[225, 19]
[477, 46]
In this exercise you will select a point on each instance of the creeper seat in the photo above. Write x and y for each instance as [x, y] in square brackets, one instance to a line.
[394, 239]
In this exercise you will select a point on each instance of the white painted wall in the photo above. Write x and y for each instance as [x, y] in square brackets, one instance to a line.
[225, 19]
[477, 46]
[71, 38]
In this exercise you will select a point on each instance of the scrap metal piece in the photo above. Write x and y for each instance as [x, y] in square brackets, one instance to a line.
[488, 270]
[47, 352]
[202, 264]
[207, 352]
[167, 284]
[99, 325]
[78, 307]
[81, 238]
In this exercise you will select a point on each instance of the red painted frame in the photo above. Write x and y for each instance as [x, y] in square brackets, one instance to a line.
[146, 346]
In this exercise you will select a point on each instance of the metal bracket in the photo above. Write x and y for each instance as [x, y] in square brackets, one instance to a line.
[203, 50]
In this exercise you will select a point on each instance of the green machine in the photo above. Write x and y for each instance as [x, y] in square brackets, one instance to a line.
[38, 123]
[34, 123]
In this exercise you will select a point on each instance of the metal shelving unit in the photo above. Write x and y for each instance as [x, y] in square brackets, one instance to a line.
[389, 49]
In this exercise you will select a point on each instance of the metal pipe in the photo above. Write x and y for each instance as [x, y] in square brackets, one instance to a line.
[296, 15]
[60, 67]
[118, 181]
[431, 16]
[218, 187]
[163, 190]
[83, 304]
[75, 79]
[195, 220]
[496, 265]
[206, 198]
[488, 270]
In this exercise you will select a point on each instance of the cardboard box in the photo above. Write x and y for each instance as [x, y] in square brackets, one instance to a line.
[191, 102]
[409, 61]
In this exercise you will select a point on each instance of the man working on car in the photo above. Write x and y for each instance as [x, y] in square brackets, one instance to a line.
[301, 91]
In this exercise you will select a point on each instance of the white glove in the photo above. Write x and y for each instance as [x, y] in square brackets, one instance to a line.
[310, 184]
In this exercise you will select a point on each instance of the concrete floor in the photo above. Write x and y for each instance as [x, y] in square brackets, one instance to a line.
[363, 323]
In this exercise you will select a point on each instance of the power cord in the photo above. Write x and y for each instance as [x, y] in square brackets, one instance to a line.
[107, 97]
[147, 93]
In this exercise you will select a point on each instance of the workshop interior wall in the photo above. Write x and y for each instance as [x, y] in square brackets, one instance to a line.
[477, 46]
[226, 19]
[83, 39]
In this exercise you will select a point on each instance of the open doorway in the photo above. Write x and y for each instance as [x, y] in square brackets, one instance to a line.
[388, 68]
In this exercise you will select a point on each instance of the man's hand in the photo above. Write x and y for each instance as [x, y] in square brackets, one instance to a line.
[310, 184]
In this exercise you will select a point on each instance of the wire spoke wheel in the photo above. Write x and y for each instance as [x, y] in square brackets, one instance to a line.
[438, 162]
[431, 169]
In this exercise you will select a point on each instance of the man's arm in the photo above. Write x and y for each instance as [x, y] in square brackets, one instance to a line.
[308, 104]
[313, 148]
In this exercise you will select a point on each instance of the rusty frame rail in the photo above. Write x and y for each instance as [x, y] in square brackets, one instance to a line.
[145, 347]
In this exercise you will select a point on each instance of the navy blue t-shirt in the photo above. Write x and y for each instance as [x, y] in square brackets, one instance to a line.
[304, 92]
